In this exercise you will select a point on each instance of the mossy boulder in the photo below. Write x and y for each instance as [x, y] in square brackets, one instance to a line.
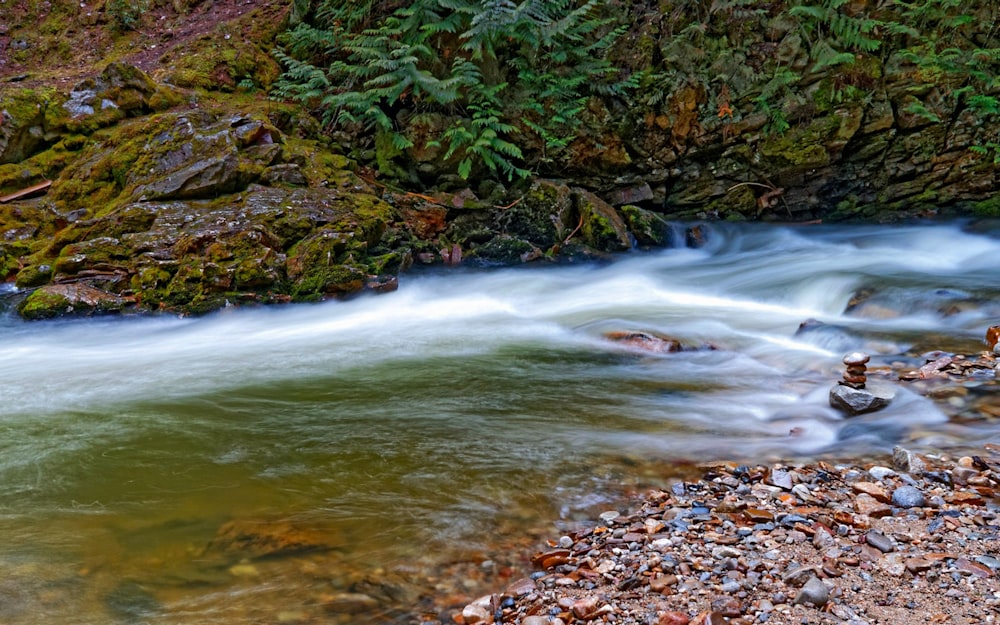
[195, 154]
[235, 55]
[650, 229]
[30, 120]
[264, 245]
[600, 224]
[119, 91]
[56, 300]
[543, 217]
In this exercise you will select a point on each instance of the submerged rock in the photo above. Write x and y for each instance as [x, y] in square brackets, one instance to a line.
[652, 342]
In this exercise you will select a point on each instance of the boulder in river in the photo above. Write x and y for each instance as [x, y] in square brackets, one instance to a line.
[855, 401]
[651, 342]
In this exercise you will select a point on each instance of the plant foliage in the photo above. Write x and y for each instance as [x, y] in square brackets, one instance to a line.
[495, 67]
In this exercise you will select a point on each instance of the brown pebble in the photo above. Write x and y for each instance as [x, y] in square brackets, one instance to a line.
[662, 582]
[918, 564]
[709, 618]
[992, 336]
[673, 618]
[873, 489]
[831, 569]
[585, 606]
[758, 516]
[869, 506]
[726, 606]
[520, 587]
[973, 568]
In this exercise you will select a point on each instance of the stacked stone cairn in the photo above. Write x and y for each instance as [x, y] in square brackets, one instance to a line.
[852, 396]
[856, 363]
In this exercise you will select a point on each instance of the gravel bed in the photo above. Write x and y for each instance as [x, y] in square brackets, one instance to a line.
[915, 541]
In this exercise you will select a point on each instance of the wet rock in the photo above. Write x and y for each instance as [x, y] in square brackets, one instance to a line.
[56, 300]
[600, 224]
[993, 337]
[255, 539]
[349, 603]
[132, 602]
[907, 497]
[855, 401]
[543, 217]
[650, 229]
[814, 593]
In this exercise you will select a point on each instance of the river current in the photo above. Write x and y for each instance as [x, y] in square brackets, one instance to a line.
[468, 404]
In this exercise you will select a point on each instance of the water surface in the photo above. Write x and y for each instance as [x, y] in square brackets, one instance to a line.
[411, 429]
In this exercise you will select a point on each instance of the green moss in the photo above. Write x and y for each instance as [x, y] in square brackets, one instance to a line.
[236, 53]
[506, 250]
[803, 147]
[987, 208]
[33, 275]
[43, 305]
[648, 228]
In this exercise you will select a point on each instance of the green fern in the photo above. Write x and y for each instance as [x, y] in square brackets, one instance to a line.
[496, 64]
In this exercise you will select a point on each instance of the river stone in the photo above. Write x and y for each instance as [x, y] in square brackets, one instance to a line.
[855, 401]
[54, 300]
[814, 593]
[907, 461]
[907, 497]
[880, 541]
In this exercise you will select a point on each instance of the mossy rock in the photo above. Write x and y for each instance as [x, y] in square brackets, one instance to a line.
[33, 275]
[989, 208]
[30, 121]
[316, 265]
[235, 56]
[57, 300]
[601, 226]
[183, 155]
[650, 229]
[506, 250]
[543, 217]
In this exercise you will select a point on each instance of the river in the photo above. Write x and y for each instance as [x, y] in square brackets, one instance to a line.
[382, 442]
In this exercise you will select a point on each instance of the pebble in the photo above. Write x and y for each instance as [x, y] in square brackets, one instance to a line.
[881, 473]
[907, 461]
[737, 547]
[867, 505]
[908, 497]
[815, 592]
[880, 541]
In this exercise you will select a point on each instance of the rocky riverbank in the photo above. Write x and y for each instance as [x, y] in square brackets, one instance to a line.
[909, 539]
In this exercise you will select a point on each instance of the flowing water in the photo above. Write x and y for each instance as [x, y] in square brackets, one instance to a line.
[387, 433]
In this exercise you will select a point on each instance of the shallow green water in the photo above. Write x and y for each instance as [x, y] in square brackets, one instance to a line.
[413, 435]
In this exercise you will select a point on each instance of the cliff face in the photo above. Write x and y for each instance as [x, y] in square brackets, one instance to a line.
[830, 110]
[725, 109]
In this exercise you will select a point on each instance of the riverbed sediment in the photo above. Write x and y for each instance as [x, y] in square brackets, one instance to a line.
[907, 539]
